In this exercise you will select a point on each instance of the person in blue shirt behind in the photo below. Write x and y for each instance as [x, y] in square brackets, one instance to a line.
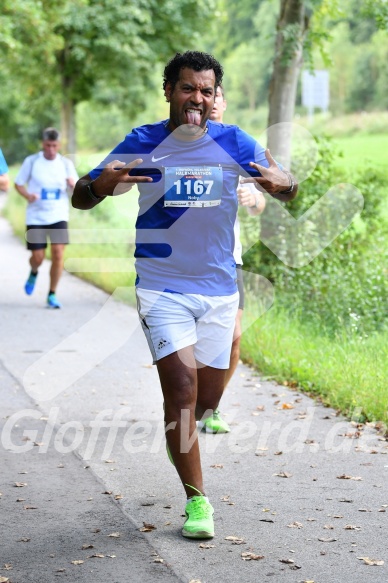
[4, 178]
[187, 170]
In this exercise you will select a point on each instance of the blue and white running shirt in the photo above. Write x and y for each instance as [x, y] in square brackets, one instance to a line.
[184, 229]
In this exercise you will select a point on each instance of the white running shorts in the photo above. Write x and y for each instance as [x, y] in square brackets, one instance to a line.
[172, 321]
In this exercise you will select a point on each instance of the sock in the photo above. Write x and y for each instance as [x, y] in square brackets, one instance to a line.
[34, 273]
[51, 292]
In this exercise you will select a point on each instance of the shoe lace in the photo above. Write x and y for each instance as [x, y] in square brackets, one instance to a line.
[216, 414]
[199, 508]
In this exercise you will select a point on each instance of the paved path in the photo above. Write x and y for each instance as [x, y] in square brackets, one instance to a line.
[82, 428]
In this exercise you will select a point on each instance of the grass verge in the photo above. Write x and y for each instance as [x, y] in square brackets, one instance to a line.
[346, 373]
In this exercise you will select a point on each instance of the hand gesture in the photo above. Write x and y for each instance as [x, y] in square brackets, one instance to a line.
[114, 179]
[272, 179]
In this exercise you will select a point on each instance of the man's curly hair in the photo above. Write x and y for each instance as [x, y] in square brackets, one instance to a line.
[195, 60]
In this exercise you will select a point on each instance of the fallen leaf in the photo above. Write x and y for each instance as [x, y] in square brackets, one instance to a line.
[260, 408]
[295, 525]
[235, 540]
[364, 510]
[288, 406]
[8, 566]
[283, 475]
[77, 562]
[225, 498]
[251, 557]
[110, 461]
[30, 508]
[107, 492]
[114, 535]
[345, 477]
[217, 466]
[147, 504]
[287, 561]
[96, 530]
[206, 546]
[195, 581]
[147, 527]
[328, 526]
[111, 556]
[118, 497]
[60, 570]
[4, 579]
[20, 484]
[346, 500]
[24, 539]
[60, 466]
[96, 556]
[327, 540]
[352, 527]
[369, 561]
[167, 523]
[337, 516]
[265, 520]
[167, 506]
[278, 453]
[87, 547]
[158, 560]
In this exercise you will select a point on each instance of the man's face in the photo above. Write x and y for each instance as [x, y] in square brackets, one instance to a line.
[50, 149]
[191, 100]
[219, 106]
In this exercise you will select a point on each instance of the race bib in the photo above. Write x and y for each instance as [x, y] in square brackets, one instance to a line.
[50, 193]
[197, 186]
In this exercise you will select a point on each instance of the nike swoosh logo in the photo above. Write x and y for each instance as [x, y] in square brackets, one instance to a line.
[161, 158]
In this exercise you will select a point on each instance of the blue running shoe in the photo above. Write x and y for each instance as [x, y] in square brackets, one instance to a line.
[30, 283]
[52, 302]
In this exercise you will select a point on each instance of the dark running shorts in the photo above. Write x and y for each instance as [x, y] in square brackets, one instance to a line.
[37, 235]
[240, 286]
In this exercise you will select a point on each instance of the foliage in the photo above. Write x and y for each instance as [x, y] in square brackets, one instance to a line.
[345, 287]
[342, 371]
[100, 49]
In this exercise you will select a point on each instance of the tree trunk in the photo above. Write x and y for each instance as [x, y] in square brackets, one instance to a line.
[68, 139]
[292, 25]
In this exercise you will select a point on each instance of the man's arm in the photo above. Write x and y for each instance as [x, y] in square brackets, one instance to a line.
[250, 197]
[30, 196]
[4, 181]
[278, 183]
[113, 180]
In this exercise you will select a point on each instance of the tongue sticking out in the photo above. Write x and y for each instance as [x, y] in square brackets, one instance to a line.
[193, 117]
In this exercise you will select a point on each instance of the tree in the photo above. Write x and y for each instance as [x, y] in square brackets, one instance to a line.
[301, 26]
[78, 49]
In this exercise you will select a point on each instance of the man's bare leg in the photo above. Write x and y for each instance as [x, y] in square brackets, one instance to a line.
[235, 352]
[57, 252]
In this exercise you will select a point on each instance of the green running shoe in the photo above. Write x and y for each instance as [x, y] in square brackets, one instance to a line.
[199, 522]
[214, 424]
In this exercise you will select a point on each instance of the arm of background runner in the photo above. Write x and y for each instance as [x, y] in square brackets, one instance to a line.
[250, 197]
[4, 178]
[113, 180]
[22, 179]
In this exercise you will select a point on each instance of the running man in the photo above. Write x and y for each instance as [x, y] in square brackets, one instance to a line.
[43, 181]
[187, 170]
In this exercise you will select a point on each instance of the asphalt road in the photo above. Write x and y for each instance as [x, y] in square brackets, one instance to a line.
[300, 493]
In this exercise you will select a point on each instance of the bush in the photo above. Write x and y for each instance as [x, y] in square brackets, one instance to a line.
[345, 287]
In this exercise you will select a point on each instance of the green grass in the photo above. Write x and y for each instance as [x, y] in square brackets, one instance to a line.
[363, 150]
[346, 373]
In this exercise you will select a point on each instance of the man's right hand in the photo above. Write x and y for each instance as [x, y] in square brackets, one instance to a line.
[31, 197]
[115, 180]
